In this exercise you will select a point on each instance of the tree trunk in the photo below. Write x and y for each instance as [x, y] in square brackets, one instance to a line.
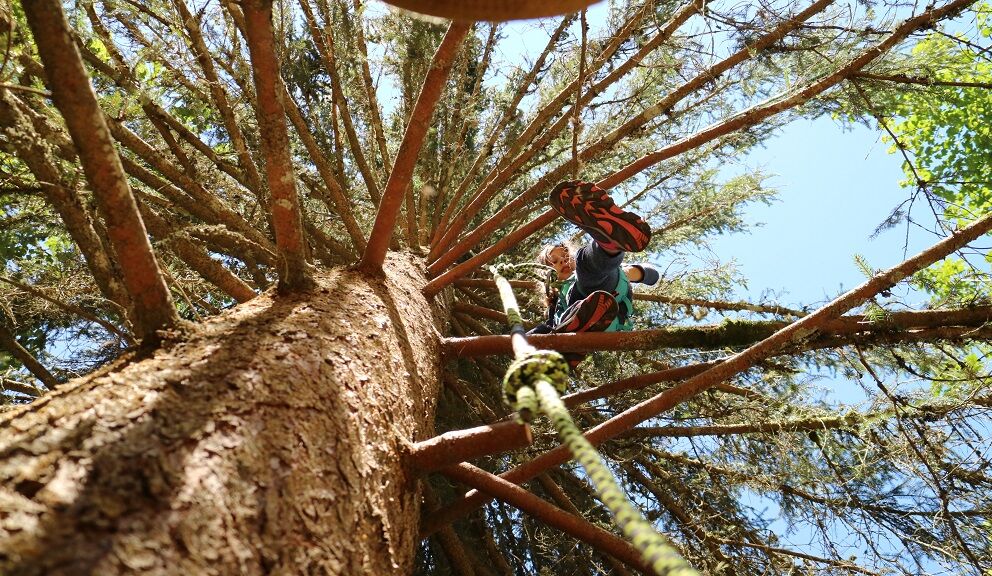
[268, 441]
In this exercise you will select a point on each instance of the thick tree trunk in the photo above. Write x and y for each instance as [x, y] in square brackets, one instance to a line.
[269, 441]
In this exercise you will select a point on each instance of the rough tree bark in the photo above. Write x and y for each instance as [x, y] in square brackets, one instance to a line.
[269, 441]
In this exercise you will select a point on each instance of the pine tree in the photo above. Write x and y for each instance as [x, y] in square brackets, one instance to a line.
[246, 291]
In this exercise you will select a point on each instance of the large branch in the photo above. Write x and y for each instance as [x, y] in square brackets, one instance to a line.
[734, 334]
[413, 140]
[74, 97]
[285, 205]
[790, 335]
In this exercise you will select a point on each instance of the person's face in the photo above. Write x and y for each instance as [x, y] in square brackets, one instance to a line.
[563, 263]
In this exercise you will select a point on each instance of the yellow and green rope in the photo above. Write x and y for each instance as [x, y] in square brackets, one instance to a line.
[535, 382]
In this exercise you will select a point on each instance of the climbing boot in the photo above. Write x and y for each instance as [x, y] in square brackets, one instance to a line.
[589, 207]
[594, 313]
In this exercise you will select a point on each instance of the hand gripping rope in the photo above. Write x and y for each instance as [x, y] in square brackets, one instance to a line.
[534, 381]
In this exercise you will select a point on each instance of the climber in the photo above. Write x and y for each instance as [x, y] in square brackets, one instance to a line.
[595, 293]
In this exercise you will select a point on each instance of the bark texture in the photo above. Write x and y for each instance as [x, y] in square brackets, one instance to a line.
[269, 441]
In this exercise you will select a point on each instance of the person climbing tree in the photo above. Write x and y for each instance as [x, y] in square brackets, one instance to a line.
[595, 293]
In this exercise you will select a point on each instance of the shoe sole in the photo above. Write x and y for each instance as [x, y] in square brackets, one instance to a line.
[589, 207]
[599, 309]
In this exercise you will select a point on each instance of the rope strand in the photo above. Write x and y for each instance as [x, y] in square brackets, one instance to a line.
[534, 382]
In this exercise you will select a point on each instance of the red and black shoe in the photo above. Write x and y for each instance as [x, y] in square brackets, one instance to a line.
[589, 207]
[594, 313]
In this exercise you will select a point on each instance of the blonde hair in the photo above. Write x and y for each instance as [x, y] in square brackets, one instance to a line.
[543, 257]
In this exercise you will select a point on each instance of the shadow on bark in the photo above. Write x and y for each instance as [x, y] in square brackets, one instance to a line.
[266, 442]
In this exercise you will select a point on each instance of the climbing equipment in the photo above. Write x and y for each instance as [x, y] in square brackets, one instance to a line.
[534, 383]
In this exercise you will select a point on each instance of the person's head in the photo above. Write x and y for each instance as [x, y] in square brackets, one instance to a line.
[560, 257]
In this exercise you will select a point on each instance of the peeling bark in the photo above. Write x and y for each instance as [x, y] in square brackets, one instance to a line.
[267, 443]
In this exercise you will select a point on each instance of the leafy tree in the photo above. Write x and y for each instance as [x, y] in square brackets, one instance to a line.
[262, 240]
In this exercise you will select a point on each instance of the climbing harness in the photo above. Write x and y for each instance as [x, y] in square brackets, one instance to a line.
[534, 382]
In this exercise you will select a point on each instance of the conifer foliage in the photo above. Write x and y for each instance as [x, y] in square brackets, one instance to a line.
[170, 166]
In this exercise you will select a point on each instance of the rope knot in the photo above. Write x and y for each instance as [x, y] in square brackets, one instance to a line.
[524, 372]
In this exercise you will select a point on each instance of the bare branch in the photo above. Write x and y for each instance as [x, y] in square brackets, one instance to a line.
[75, 99]
[286, 217]
[406, 158]
[11, 345]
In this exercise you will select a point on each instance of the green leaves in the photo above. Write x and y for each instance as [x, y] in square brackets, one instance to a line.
[945, 127]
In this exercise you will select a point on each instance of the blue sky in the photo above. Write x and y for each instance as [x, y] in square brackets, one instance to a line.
[835, 184]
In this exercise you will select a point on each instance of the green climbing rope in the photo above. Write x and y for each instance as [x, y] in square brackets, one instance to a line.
[535, 382]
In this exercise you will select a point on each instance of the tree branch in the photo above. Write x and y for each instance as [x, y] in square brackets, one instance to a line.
[757, 114]
[920, 80]
[285, 206]
[22, 140]
[486, 150]
[71, 308]
[546, 512]
[406, 158]
[837, 332]
[219, 96]
[10, 344]
[74, 97]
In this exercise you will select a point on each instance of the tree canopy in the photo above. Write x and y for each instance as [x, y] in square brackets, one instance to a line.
[233, 148]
